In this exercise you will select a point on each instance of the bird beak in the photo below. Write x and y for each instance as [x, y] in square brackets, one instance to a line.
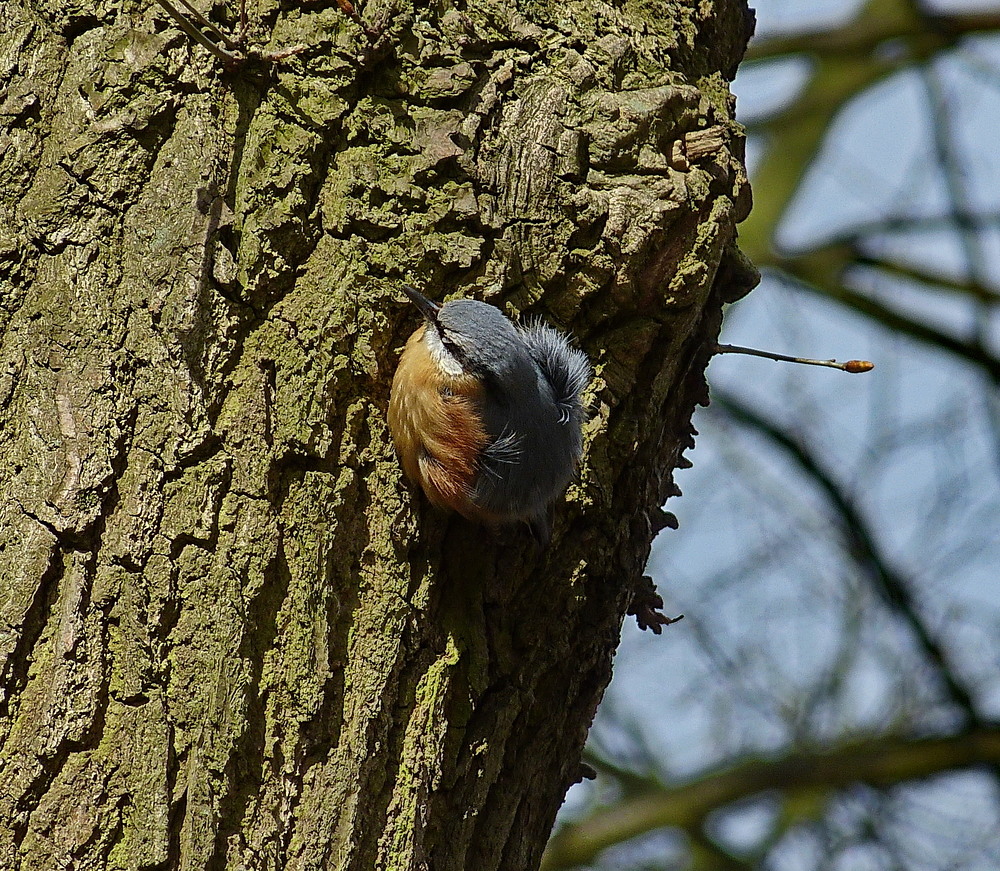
[427, 308]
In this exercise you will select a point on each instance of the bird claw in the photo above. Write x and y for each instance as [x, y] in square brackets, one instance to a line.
[645, 607]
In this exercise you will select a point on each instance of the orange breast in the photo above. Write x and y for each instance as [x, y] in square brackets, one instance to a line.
[436, 428]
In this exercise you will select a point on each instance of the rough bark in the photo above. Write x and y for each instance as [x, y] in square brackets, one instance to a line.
[231, 636]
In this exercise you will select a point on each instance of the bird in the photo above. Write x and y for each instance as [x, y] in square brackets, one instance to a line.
[486, 414]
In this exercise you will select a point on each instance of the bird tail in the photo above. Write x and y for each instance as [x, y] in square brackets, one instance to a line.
[566, 368]
[541, 526]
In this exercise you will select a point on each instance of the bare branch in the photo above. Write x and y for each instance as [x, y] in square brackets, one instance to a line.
[890, 584]
[818, 275]
[878, 762]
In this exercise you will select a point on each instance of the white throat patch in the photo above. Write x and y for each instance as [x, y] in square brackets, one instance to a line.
[440, 354]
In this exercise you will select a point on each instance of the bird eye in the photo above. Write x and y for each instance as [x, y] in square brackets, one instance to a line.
[451, 347]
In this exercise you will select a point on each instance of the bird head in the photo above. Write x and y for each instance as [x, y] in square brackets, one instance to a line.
[466, 335]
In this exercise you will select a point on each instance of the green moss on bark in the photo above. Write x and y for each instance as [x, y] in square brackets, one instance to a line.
[233, 636]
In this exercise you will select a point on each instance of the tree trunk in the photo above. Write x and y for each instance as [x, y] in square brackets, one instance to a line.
[232, 637]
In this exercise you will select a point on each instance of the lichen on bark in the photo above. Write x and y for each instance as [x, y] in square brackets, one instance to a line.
[231, 635]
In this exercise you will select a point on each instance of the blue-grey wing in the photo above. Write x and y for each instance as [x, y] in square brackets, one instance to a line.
[501, 455]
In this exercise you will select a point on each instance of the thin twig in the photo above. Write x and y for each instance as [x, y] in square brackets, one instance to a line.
[853, 366]
[226, 57]
[212, 27]
[798, 273]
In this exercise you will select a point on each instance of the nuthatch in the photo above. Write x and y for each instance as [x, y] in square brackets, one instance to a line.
[487, 415]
